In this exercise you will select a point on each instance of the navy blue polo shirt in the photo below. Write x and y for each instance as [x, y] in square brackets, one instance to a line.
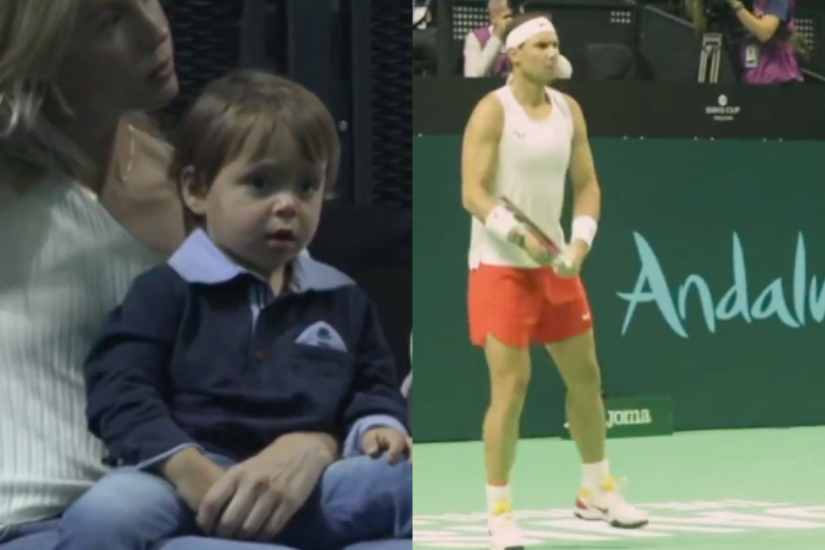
[201, 353]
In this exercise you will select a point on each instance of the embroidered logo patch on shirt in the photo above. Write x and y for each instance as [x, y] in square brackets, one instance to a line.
[322, 335]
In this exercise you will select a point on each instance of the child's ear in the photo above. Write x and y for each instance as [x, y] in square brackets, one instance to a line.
[193, 191]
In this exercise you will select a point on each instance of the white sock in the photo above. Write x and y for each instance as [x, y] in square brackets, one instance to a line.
[497, 494]
[594, 475]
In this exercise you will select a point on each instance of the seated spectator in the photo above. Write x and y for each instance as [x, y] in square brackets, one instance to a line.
[239, 341]
[484, 54]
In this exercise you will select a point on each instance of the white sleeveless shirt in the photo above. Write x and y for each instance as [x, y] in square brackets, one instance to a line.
[65, 263]
[533, 157]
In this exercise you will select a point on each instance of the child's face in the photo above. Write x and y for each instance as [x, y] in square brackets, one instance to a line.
[261, 212]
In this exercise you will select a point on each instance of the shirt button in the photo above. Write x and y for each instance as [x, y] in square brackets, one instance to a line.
[261, 356]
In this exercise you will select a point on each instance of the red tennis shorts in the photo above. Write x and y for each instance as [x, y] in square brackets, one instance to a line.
[522, 306]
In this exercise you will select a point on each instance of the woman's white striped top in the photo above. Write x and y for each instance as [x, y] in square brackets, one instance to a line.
[65, 263]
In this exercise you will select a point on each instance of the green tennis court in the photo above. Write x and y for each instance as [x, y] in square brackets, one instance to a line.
[717, 490]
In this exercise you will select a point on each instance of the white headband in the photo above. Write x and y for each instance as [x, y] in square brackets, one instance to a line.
[528, 30]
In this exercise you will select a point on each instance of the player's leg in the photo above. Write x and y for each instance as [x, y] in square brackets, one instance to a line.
[509, 378]
[503, 315]
[567, 330]
[575, 357]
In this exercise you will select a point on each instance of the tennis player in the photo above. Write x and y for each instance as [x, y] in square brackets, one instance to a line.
[518, 145]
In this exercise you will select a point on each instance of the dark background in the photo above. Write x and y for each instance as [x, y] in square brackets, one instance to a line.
[354, 54]
[643, 109]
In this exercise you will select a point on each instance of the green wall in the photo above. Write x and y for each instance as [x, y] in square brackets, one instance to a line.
[707, 283]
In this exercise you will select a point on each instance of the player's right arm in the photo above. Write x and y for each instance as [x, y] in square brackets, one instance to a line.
[479, 157]
[479, 162]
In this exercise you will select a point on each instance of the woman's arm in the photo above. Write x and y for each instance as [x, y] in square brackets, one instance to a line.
[763, 27]
[696, 11]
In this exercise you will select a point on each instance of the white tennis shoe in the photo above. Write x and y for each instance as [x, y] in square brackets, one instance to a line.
[608, 504]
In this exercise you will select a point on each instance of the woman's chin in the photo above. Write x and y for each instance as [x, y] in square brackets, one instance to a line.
[163, 94]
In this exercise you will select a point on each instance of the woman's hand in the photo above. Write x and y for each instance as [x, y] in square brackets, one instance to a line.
[255, 499]
[194, 486]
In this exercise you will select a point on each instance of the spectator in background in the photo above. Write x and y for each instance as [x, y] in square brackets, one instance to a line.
[766, 44]
[424, 41]
[484, 53]
[769, 56]
[421, 15]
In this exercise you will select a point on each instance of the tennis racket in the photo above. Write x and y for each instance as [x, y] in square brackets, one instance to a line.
[534, 230]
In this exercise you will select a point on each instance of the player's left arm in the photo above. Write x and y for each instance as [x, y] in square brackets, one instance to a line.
[587, 195]
[763, 28]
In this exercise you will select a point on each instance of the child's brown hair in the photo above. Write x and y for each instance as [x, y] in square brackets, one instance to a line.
[248, 104]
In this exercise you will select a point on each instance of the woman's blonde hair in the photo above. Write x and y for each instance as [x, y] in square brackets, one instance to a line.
[34, 38]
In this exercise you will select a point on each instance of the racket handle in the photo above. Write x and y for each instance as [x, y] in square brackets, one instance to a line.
[553, 249]
[562, 260]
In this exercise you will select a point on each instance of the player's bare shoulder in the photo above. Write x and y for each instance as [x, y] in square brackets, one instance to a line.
[487, 119]
[490, 104]
[575, 108]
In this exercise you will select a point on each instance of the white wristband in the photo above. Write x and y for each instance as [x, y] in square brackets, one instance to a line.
[584, 229]
[500, 222]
